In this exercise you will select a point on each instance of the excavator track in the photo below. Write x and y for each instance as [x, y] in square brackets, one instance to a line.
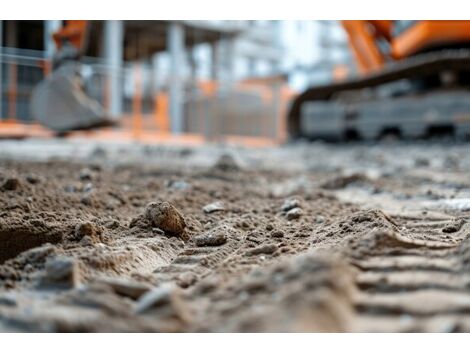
[412, 69]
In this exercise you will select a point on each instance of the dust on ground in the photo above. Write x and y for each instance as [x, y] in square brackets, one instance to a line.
[311, 237]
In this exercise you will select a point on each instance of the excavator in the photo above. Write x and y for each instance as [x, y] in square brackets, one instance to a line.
[413, 81]
[60, 102]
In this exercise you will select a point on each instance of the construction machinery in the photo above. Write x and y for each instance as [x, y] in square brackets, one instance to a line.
[413, 81]
[60, 102]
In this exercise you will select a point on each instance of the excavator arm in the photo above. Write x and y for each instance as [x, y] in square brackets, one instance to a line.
[363, 40]
[73, 32]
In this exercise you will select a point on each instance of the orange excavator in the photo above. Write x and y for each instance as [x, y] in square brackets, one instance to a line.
[413, 81]
[60, 102]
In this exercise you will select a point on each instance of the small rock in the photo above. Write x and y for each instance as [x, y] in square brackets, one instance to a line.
[86, 174]
[226, 163]
[294, 214]
[186, 279]
[166, 217]
[33, 179]
[319, 219]
[178, 185]
[88, 187]
[61, 272]
[69, 188]
[264, 249]
[454, 226]
[86, 200]
[212, 238]
[291, 204]
[112, 224]
[167, 299]
[277, 234]
[213, 207]
[127, 288]
[10, 184]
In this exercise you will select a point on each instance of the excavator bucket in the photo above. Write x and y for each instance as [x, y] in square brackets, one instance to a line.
[61, 104]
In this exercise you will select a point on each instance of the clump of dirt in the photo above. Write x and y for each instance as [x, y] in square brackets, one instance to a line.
[10, 184]
[163, 216]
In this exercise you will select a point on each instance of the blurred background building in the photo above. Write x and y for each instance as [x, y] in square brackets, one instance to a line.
[211, 78]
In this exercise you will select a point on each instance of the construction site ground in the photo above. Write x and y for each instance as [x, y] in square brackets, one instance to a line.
[215, 238]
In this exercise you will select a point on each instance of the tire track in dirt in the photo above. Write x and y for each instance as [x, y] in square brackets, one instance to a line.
[411, 285]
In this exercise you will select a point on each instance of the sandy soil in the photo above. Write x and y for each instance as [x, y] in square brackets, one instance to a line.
[310, 237]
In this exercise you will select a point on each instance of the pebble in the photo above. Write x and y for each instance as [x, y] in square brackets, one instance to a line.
[294, 214]
[319, 219]
[127, 288]
[186, 279]
[226, 162]
[33, 179]
[86, 200]
[168, 296]
[166, 217]
[454, 226]
[210, 239]
[178, 185]
[291, 204]
[277, 234]
[264, 249]
[85, 174]
[213, 207]
[61, 272]
[88, 187]
[69, 188]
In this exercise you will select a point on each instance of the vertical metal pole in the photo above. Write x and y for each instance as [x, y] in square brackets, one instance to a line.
[113, 51]
[49, 47]
[175, 43]
[12, 41]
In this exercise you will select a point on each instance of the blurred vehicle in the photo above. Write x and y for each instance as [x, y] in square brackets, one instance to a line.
[414, 81]
[60, 102]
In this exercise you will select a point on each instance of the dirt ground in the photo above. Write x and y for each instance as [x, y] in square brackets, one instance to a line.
[311, 237]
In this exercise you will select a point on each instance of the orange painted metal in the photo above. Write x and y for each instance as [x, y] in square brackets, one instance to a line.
[362, 40]
[12, 91]
[14, 129]
[364, 36]
[425, 34]
[161, 113]
[74, 32]
[46, 67]
[137, 103]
